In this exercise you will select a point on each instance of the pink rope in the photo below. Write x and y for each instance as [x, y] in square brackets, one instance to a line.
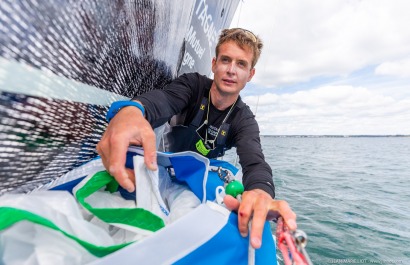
[286, 244]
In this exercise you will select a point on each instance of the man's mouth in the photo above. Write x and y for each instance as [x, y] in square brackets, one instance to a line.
[229, 81]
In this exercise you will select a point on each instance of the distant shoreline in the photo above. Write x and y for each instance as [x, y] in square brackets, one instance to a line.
[334, 136]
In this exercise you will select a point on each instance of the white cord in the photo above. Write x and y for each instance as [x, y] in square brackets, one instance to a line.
[251, 250]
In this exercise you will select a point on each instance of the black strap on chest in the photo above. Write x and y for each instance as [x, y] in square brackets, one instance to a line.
[196, 122]
[224, 128]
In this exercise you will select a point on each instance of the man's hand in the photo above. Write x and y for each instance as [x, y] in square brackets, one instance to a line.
[259, 205]
[128, 127]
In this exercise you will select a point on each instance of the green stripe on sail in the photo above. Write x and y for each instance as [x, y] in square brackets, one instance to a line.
[135, 217]
[9, 216]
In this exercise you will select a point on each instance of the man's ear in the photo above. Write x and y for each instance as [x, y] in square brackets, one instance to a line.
[251, 74]
[213, 64]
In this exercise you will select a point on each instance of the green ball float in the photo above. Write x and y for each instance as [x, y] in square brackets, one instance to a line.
[234, 188]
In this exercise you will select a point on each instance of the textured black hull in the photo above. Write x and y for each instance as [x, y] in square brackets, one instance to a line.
[63, 62]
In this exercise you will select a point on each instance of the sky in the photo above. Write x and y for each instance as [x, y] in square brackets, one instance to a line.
[330, 67]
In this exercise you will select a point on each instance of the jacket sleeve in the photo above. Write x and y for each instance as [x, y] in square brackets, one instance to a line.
[161, 105]
[257, 174]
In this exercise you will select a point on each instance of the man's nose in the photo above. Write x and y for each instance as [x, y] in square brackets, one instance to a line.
[231, 67]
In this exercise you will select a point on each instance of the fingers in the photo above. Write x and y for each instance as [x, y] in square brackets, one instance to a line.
[258, 222]
[116, 162]
[245, 212]
[258, 205]
[254, 205]
[150, 151]
[131, 175]
[231, 203]
[282, 208]
[127, 127]
[260, 214]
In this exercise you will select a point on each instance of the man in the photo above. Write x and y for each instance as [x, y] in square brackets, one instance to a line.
[211, 117]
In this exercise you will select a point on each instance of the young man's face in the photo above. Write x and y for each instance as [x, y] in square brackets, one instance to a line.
[233, 68]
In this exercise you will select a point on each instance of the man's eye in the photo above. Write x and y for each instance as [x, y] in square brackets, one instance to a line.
[242, 64]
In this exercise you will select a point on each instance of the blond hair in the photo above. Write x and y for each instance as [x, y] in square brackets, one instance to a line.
[243, 38]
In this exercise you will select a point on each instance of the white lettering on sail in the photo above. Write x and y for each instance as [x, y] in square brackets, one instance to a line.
[188, 60]
[194, 42]
[206, 22]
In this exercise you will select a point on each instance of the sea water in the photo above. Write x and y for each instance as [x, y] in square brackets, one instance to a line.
[351, 195]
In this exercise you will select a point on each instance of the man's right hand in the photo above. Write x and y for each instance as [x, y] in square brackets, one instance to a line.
[128, 127]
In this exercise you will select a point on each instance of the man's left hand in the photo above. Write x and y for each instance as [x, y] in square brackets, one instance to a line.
[259, 205]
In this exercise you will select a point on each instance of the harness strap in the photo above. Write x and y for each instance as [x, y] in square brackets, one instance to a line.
[223, 132]
[200, 114]
[224, 128]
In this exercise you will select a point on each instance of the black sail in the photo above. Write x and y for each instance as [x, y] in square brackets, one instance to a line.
[63, 62]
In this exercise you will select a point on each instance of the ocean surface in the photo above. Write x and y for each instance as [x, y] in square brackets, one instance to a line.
[351, 195]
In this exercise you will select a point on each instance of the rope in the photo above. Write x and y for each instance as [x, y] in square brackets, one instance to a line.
[292, 248]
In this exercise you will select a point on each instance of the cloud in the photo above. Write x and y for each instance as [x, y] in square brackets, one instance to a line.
[330, 67]
[333, 110]
[310, 38]
[400, 68]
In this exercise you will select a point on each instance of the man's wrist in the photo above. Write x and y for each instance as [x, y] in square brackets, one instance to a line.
[118, 105]
[262, 186]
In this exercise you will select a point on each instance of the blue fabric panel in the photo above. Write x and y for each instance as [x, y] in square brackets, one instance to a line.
[211, 184]
[129, 162]
[229, 247]
[191, 171]
[68, 186]
[131, 196]
[267, 253]
[224, 164]
[213, 178]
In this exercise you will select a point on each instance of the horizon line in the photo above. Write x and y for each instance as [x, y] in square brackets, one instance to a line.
[337, 135]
